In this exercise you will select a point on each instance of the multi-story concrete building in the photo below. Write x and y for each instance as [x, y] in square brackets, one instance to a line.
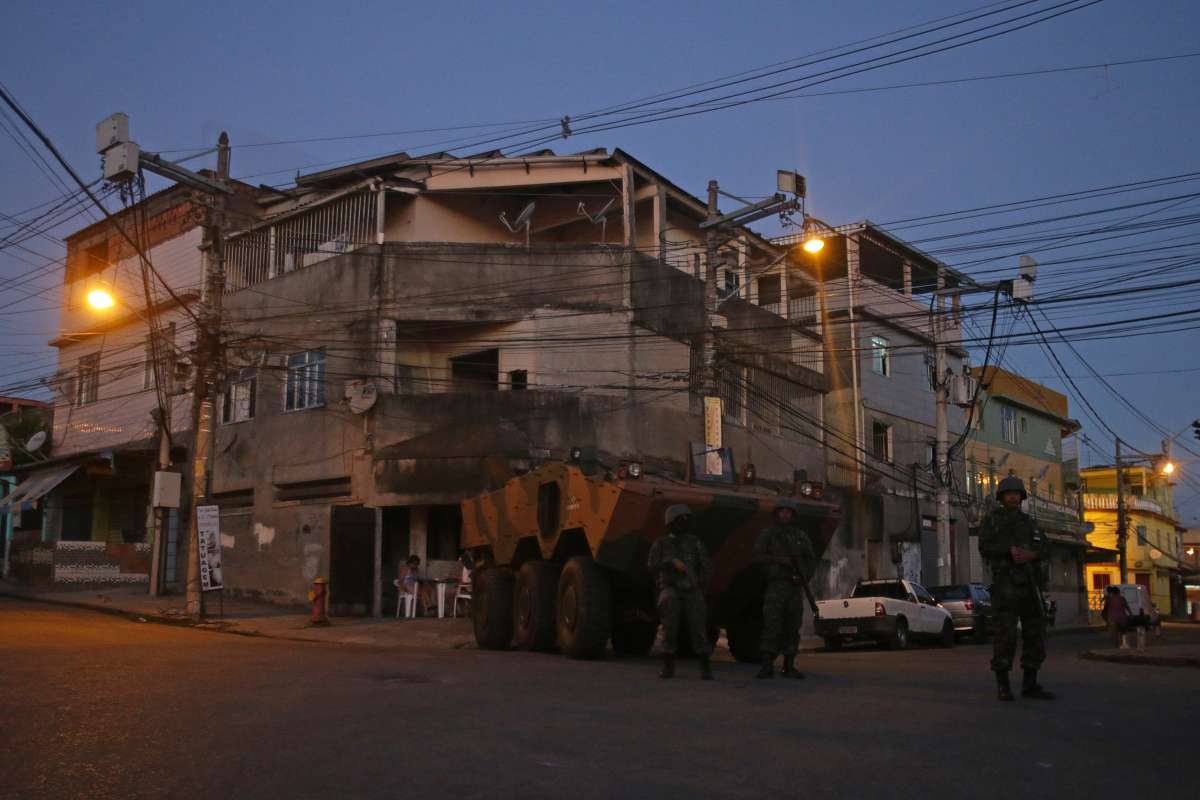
[92, 496]
[405, 332]
[880, 409]
[1155, 555]
[1018, 428]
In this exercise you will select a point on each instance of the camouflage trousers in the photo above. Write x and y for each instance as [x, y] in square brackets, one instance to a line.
[687, 610]
[1013, 603]
[783, 613]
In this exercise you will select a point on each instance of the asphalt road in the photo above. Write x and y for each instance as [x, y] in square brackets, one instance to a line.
[95, 706]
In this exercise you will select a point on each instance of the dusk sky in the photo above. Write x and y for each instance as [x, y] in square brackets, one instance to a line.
[285, 71]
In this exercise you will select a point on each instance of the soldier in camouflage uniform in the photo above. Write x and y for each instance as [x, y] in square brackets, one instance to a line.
[786, 553]
[1016, 551]
[681, 565]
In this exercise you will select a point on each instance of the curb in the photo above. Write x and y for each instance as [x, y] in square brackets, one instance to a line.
[1141, 658]
[103, 609]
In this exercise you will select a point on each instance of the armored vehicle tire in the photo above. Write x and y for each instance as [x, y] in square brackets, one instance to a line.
[947, 639]
[493, 609]
[899, 638]
[533, 606]
[744, 635]
[634, 638]
[584, 609]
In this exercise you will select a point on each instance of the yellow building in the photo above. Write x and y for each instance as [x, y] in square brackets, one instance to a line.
[1154, 545]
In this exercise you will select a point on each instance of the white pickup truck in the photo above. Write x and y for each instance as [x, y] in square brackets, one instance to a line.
[889, 612]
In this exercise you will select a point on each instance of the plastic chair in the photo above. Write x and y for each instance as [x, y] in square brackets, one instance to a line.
[406, 600]
[463, 592]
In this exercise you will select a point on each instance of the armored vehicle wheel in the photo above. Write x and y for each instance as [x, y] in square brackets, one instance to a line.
[493, 609]
[533, 620]
[744, 635]
[584, 609]
[634, 638]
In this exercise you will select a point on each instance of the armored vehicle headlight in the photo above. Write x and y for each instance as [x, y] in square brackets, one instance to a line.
[635, 470]
[806, 489]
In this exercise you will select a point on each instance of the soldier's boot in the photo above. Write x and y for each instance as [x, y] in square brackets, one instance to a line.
[705, 669]
[789, 668]
[768, 666]
[1003, 687]
[1031, 688]
[668, 670]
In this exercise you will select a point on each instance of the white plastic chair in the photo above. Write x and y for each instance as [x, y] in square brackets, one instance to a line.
[463, 592]
[405, 599]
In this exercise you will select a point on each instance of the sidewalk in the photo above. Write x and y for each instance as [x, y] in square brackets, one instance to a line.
[1171, 653]
[250, 618]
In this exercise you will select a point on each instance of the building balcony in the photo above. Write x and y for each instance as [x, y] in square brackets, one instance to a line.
[1108, 502]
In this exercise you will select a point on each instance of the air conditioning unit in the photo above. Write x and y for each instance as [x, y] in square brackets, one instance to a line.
[963, 389]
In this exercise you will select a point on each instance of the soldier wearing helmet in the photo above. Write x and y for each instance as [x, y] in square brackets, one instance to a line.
[1016, 550]
[785, 552]
[681, 566]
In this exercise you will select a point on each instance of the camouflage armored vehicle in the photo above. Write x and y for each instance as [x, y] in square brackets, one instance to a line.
[563, 557]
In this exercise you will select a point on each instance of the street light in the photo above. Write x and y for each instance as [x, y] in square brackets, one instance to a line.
[100, 299]
[814, 235]
[1168, 468]
[814, 244]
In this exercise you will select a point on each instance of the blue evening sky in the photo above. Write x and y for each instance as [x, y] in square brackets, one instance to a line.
[287, 70]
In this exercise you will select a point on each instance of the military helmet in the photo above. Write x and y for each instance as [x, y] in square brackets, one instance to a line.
[676, 511]
[1011, 484]
[788, 503]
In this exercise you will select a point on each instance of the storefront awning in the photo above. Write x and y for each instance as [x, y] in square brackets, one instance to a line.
[33, 488]
[1066, 539]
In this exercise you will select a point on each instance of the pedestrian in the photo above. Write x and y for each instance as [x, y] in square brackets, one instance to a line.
[1015, 549]
[413, 583]
[784, 551]
[681, 567]
[1116, 613]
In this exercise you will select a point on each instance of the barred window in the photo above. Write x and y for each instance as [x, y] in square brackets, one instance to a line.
[87, 382]
[305, 380]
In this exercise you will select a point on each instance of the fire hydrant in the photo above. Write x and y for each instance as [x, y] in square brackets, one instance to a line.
[319, 595]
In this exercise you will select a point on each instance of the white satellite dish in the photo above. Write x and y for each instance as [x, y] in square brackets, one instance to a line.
[361, 395]
[36, 441]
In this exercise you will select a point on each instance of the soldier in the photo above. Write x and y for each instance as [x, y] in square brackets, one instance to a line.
[1015, 549]
[786, 553]
[681, 565]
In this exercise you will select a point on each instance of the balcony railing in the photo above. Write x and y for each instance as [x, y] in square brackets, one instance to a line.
[1108, 502]
[301, 240]
[803, 309]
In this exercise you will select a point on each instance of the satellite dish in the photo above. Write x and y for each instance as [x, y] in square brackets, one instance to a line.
[361, 396]
[522, 220]
[36, 441]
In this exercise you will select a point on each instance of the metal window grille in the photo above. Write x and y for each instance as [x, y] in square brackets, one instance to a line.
[87, 383]
[880, 358]
[238, 404]
[305, 380]
[303, 240]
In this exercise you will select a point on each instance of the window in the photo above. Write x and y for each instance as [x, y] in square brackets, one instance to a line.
[238, 403]
[305, 380]
[1100, 581]
[770, 290]
[518, 379]
[732, 282]
[476, 372]
[1141, 534]
[882, 441]
[165, 340]
[930, 455]
[931, 369]
[1024, 424]
[87, 381]
[880, 358]
[1008, 424]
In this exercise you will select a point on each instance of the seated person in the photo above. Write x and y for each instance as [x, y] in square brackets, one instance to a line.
[412, 582]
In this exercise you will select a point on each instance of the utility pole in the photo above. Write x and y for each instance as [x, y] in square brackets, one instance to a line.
[942, 445]
[714, 222]
[123, 159]
[1122, 527]
[208, 356]
[1021, 291]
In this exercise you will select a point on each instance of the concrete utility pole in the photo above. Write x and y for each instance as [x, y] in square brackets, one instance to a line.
[122, 161]
[1122, 526]
[208, 356]
[714, 222]
[1021, 290]
[942, 445]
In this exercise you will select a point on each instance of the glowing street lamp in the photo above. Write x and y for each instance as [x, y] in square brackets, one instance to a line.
[100, 299]
[815, 234]
[1168, 468]
[814, 244]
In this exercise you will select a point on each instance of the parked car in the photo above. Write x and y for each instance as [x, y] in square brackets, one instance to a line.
[889, 612]
[969, 605]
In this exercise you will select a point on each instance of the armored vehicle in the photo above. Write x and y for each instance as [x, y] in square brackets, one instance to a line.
[563, 553]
